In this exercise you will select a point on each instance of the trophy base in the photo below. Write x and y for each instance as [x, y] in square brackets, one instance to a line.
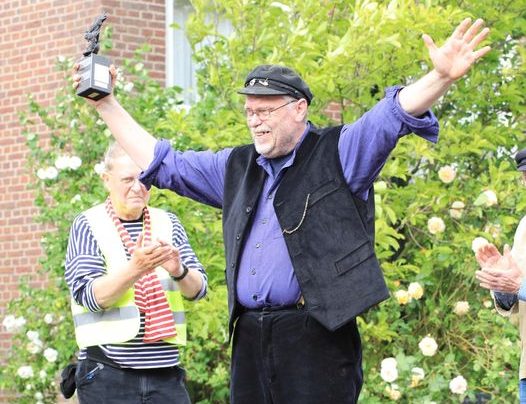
[95, 78]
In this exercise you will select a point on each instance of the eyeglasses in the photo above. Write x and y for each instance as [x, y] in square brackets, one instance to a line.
[130, 181]
[127, 181]
[264, 114]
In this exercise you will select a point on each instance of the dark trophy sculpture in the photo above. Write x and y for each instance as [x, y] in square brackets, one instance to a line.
[94, 70]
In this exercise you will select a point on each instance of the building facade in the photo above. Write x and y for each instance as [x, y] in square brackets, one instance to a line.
[34, 34]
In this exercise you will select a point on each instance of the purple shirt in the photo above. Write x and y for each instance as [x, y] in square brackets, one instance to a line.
[266, 276]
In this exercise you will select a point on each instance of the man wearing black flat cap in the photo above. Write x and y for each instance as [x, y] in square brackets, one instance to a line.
[504, 276]
[298, 220]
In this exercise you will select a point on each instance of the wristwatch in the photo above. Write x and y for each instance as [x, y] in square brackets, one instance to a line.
[182, 276]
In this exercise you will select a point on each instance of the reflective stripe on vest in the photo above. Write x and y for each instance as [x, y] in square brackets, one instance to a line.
[121, 322]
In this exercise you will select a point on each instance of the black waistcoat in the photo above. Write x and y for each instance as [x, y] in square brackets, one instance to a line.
[329, 233]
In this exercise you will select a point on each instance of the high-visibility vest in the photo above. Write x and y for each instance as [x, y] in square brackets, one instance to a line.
[121, 322]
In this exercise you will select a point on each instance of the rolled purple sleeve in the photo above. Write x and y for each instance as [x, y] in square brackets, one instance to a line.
[364, 145]
[197, 175]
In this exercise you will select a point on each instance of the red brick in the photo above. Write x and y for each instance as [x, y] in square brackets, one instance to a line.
[34, 34]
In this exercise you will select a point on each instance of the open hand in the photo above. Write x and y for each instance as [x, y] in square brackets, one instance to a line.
[454, 59]
[489, 256]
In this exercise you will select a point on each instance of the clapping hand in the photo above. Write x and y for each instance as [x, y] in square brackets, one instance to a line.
[172, 265]
[147, 258]
[498, 272]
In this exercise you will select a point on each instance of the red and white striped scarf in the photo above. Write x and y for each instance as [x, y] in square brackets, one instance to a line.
[149, 294]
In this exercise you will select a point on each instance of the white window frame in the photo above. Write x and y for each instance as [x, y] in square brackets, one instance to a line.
[177, 44]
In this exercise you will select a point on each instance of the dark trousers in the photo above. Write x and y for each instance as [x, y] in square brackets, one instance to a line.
[98, 383]
[287, 357]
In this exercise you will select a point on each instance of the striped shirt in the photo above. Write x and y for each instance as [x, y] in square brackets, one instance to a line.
[85, 263]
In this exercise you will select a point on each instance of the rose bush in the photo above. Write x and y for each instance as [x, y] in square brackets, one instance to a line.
[425, 221]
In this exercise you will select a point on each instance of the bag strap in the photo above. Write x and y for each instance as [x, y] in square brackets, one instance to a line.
[94, 353]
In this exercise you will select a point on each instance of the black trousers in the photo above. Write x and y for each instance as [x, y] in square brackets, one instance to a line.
[287, 357]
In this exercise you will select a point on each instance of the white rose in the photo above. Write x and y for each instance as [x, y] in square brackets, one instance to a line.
[41, 173]
[461, 308]
[394, 394]
[76, 198]
[388, 363]
[13, 324]
[388, 370]
[42, 374]
[47, 173]
[128, 87]
[389, 374]
[32, 335]
[491, 197]
[99, 168]
[428, 346]
[39, 396]
[457, 209]
[487, 198]
[415, 290]
[48, 318]
[139, 66]
[436, 225]
[478, 243]
[458, 385]
[25, 372]
[51, 354]
[402, 297]
[418, 373]
[52, 173]
[62, 162]
[35, 346]
[9, 323]
[74, 162]
[20, 323]
[447, 174]
[487, 304]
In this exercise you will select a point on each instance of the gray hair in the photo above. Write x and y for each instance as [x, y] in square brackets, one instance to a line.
[113, 152]
[287, 98]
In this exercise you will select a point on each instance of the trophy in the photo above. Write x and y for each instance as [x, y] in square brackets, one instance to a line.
[94, 70]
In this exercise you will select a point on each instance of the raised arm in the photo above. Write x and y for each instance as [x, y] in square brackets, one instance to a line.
[137, 142]
[450, 62]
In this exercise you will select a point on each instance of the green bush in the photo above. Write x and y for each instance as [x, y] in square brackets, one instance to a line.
[348, 52]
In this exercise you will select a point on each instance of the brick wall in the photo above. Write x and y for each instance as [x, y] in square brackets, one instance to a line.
[34, 33]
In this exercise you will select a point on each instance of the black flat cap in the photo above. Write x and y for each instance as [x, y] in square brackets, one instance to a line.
[520, 159]
[276, 80]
